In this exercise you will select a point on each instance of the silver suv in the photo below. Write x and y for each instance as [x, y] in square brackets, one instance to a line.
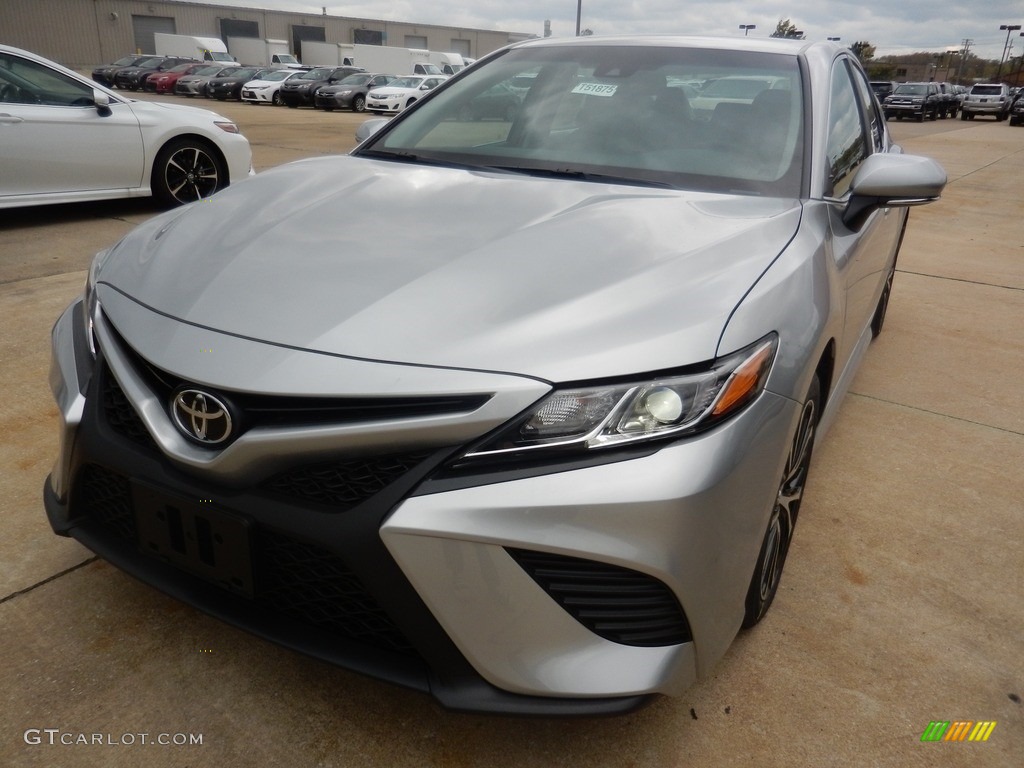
[986, 99]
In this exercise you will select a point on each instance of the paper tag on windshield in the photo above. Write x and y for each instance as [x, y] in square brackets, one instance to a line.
[596, 89]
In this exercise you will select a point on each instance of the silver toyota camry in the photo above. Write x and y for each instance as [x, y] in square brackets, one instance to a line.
[535, 440]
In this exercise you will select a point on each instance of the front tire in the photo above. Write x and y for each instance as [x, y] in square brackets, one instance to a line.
[359, 104]
[764, 584]
[186, 170]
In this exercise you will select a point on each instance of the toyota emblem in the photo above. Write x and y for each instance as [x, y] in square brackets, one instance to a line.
[201, 417]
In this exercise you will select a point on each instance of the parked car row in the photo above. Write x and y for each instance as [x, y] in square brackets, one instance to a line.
[922, 100]
[934, 100]
[328, 88]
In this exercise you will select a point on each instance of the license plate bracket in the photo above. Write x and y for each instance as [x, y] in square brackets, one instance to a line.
[196, 536]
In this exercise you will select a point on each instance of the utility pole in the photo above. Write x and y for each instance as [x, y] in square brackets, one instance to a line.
[966, 43]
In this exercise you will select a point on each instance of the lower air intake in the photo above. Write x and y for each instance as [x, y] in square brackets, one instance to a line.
[616, 603]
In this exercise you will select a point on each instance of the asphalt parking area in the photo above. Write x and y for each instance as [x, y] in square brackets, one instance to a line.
[901, 604]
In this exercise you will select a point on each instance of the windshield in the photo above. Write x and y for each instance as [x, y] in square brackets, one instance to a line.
[911, 90]
[208, 70]
[277, 74]
[320, 73]
[406, 82]
[611, 112]
[246, 72]
[737, 87]
[181, 68]
[356, 80]
[987, 90]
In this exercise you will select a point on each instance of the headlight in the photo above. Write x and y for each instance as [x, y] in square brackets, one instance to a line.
[226, 126]
[610, 415]
[90, 304]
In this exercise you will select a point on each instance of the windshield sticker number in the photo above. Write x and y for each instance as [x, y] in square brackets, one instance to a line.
[596, 89]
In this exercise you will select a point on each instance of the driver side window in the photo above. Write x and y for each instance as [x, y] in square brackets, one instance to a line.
[847, 146]
[26, 82]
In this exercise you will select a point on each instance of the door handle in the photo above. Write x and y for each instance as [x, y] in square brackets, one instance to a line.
[6, 119]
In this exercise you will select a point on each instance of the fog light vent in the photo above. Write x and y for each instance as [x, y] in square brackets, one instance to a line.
[616, 603]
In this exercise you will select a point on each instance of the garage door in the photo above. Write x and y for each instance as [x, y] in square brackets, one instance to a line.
[145, 27]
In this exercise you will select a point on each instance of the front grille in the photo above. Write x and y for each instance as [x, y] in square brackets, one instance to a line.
[310, 584]
[120, 415]
[342, 485]
[296, 580]
[299, 410]
[618, 604]
[107, 499]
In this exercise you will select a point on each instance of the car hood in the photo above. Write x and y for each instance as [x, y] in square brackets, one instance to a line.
[157, 112]
[378, 260]
[392, 91]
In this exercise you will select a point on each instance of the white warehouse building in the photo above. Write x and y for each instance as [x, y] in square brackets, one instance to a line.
[84, 33]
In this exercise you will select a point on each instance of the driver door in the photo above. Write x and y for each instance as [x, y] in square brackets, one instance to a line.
[55, 140]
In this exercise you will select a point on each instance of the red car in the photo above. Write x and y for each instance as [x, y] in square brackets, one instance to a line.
[163, 82]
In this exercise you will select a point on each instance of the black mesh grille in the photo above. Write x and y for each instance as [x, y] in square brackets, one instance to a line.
[120, 415]
[618, 604]
[106, 497]
[298, 580]
[313, 585]
[342, 485]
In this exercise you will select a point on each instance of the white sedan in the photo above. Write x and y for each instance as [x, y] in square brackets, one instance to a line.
[267, 88]
[67, 139]
[400, 93]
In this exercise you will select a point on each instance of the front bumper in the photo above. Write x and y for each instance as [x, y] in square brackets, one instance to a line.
[425, 583]
[904, 109]
[259, 97]
[296, 98]
[384, 105]
[332, 101]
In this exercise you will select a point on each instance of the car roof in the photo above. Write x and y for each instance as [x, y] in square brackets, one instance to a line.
[753, 44]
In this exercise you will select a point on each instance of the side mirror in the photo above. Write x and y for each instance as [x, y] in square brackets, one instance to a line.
[102, 102]
[370, 127]
[891, 179]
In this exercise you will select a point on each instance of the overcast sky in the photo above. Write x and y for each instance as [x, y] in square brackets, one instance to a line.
[893, 26]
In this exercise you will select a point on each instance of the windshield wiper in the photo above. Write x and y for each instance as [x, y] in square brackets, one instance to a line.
[554, 173]
[574, 173]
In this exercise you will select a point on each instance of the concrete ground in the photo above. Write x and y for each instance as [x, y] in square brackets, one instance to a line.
[901, 604]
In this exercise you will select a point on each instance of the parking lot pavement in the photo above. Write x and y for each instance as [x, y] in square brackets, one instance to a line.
[901, 604]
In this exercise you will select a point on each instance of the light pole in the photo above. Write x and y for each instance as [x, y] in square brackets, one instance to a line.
[1009, 28]
[747, 27]
[1020, 64]
[579, 13]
